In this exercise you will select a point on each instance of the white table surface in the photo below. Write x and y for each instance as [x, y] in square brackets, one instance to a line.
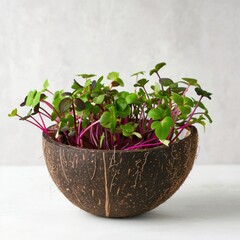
[207, 206]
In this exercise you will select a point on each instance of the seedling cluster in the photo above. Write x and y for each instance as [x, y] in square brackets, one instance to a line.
[100, 116]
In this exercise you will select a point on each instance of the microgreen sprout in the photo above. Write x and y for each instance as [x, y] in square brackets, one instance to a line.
[101, 116]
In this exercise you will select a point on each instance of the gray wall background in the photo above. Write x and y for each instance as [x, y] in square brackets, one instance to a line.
[57, 39]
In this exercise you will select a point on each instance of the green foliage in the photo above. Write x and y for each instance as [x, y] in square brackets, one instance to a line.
[107, 118]
[157, 68]
[13, 113]
[138, 73]
[131, 98]
[86, 76]
[129, 129]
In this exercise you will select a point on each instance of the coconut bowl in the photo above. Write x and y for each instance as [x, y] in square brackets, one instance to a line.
[120, 183]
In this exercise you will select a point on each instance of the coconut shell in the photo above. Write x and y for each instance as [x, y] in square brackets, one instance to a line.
[119, 183]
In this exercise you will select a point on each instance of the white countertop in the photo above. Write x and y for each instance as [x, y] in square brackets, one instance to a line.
[207, 206]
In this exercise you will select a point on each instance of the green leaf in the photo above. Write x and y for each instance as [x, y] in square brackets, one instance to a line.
[166, 82]
[45, 85]
[141, 83]
[57, 97]
[151, 72]
[85, 97]
[131, 98]
[101, 140]
[124, 113]
[128, 127]
[203, 93]
[88, 83]
[13, 113]
[155, 114]
[76, 85]
[86, 76]
[85, 123]
[178, 99]
[137, 134]
[113, 118]
[53, 116]
[191, 81]
[99, 99]
[201, 105]
[113, 76]
[65, 104]
[165, 142]
[159, 66]
[128, 130]
[185, 109]
[156, 88]
[121, 104]
[166, 112]
[36, 99]
[179, 90]
[155, 124]
[70, 120]
[105, 119]
[167, 122]
[100, 80]
[200, 120]
[123, 94]
[30, 97]
[141, 92]
[108, 119]
[95, 109]
[118, 82]
[163, 129]
[138, 73]
[188, 101]
[208, 116]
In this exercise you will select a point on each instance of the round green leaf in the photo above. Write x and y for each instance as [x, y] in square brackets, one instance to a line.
[155, 114]
[99, 99]
[185, 109]
[121, 104]
[113, 76]
[166, 82]
[131, 98]
[155, 124]
[177, 98]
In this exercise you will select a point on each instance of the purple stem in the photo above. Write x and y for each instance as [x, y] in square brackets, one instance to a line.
[36, 125]
[186, 124]
[51, 107]
[86, 129]
[40, 115]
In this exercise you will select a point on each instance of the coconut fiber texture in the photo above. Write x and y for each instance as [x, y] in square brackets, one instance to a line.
[120, 183]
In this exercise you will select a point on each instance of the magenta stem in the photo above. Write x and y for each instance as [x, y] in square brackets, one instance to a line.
[40, 115]
[86, 129]
[190, 117]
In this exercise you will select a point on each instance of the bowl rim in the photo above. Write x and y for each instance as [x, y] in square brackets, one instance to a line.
[192, 129]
